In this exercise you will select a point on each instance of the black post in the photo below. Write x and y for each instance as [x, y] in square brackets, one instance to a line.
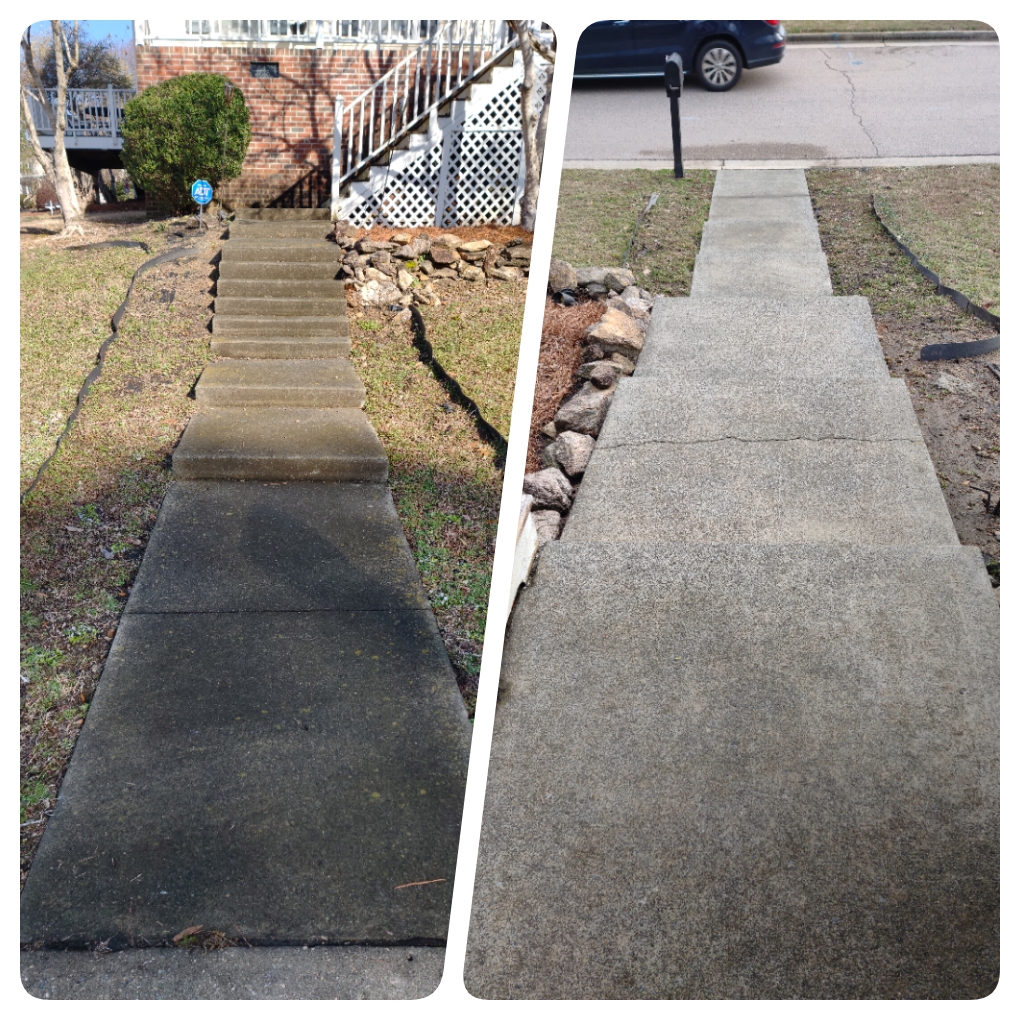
[674, 88]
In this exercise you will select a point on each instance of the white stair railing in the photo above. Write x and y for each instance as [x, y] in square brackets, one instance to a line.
[365, 128]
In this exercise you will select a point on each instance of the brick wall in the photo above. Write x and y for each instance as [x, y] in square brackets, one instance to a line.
[291, 148]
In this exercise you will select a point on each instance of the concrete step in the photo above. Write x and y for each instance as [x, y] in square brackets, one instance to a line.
[240, 972]
[272, 228]
[798, 490]
[281, 445]
[720, 273]
[277, 746]
[314, 288]
[763, 339]
[762, 208]
[281, 346]
[646, 410]
[759, 183]
[762, 239]
[280, 249]
[326, 382]
[246, 213]
[765, 771]
[278, 271]
[261, 307]
[277, 325]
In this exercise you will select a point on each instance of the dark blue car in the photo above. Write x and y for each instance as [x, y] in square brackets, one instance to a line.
[715, 52]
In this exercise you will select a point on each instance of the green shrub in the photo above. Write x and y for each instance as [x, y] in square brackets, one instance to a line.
[182, 130]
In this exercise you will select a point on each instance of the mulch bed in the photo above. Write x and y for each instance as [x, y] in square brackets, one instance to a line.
[559, 358]
[495, 234]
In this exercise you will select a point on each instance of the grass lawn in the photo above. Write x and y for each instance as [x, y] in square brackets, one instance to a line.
[85, 524]
[793, 27]
[949, 218]
[446, 479]
[598, 210]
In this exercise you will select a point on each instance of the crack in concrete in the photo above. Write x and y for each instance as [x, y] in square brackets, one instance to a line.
[853, 101]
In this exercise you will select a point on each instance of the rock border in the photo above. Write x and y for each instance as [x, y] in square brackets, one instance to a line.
[399, 271]
[615, 344]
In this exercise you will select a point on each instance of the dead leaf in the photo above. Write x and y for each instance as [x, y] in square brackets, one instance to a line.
[193, 930]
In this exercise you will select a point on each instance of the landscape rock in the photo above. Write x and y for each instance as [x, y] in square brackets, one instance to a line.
[401, 238]
[519, 254]
[445, 273]
[443, 256]
[404, 279]
[508, 273]
[380, 292]
[596, 290]
[592, 352]
[585, 411]
[449, 241]
[549, 429]
[618, 332]
[591, 274]
[548, 524]
[550, 489]
[626, 365]
[635, 308]
[472, 274]
[473, 247]
[367, 247]
[618, 279]
[571, 451]
[603, 374]
[561, 276]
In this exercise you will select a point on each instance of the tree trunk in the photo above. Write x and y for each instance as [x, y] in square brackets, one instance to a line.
[529, 128]
[58, 170]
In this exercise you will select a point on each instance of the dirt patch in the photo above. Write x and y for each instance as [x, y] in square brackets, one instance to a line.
[559, 358]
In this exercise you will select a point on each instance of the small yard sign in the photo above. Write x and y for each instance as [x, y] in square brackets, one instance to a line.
[201, 192]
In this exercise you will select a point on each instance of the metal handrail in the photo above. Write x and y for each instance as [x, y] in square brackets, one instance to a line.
[91, 113]
[456, 54]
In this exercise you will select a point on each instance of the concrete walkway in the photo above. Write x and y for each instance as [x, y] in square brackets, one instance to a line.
[277, 747]
[747, 737]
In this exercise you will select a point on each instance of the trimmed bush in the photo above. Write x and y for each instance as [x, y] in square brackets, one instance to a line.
[183, 130]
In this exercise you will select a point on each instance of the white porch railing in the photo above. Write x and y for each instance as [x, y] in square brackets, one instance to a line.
[431, 75]
[308, 31]
[91, 113]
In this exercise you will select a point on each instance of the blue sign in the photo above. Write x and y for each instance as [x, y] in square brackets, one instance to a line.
[201, 192]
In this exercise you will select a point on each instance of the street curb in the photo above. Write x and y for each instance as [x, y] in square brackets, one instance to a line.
[891, 37]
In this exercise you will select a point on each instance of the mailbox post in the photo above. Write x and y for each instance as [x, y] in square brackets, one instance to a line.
[674, 87]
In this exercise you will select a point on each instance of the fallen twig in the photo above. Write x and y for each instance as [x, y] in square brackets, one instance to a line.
[428, 881]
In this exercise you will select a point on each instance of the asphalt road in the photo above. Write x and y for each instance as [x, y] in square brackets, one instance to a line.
[861, 100]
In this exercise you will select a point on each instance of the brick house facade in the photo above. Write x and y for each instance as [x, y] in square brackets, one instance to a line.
[292, 112]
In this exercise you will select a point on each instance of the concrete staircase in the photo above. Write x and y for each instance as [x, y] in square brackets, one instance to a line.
[747, 738]
[277, 748]
[285, 403]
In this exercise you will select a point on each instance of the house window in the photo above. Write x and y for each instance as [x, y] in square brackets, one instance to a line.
[265, 70]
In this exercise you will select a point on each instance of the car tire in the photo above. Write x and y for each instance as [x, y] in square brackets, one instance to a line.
[718, 65]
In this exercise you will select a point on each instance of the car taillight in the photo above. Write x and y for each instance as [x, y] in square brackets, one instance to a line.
[771, 22]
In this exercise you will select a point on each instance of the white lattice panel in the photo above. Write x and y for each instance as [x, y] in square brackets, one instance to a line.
[400, 195]
[472, 175]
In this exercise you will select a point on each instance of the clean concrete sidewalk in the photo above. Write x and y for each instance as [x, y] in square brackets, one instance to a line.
[747, 737]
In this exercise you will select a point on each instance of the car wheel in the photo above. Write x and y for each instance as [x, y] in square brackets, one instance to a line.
[718, 66]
